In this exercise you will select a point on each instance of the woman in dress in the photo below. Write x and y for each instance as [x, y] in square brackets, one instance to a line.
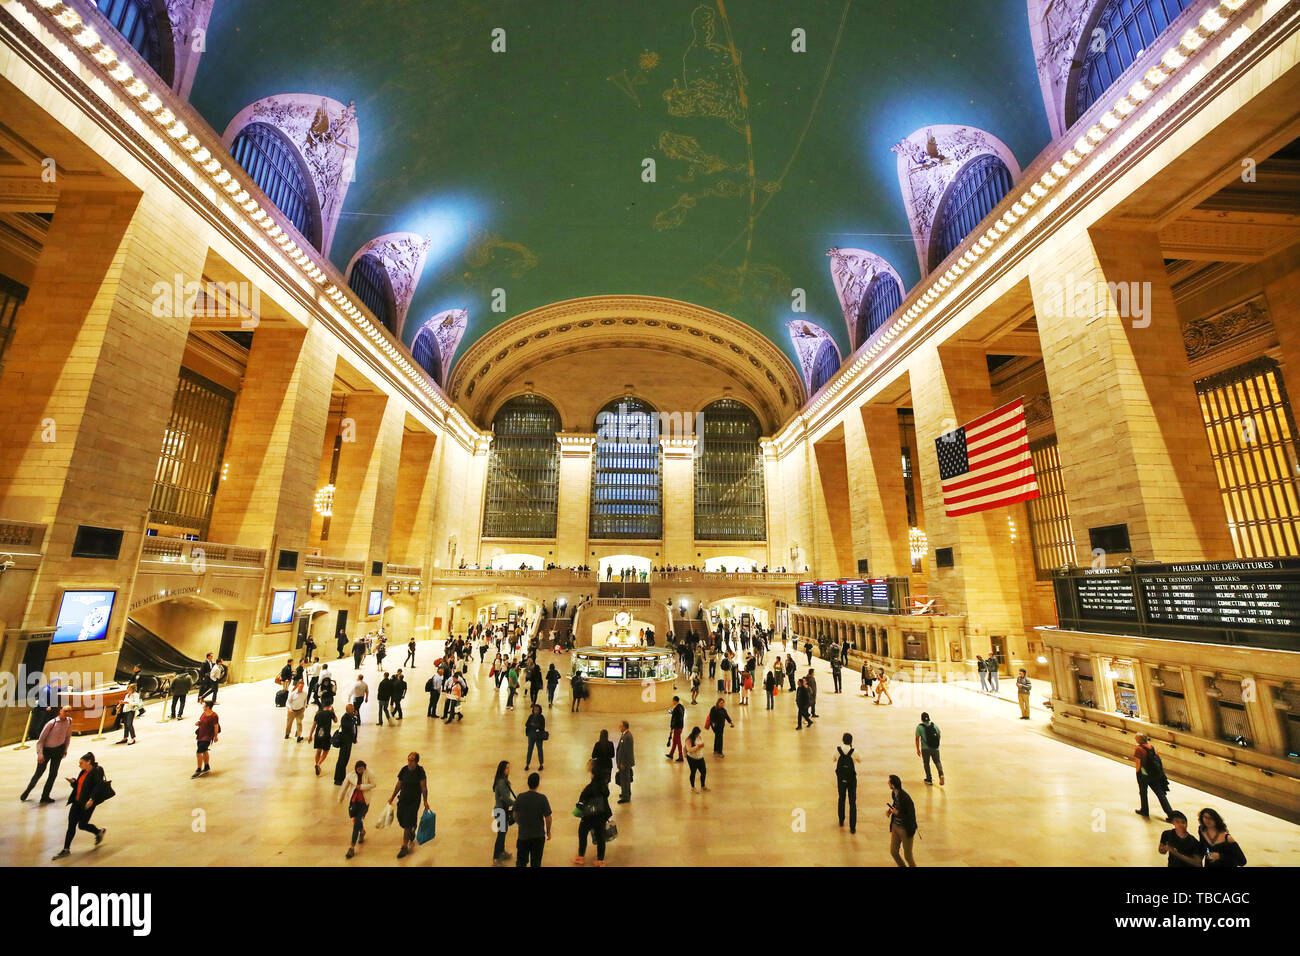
[355, 794]
[503, 801]
[746, 685]
[412, 789]
[1221, 850]
[695, 757]
[322, 731]
[882, 686]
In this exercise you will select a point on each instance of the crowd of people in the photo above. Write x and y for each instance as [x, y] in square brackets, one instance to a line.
[733, 654]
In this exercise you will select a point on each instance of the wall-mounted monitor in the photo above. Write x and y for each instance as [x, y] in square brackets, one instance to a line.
[614, 669]
[317, 587]
[83, 616]
[375, 604]
[282, 606]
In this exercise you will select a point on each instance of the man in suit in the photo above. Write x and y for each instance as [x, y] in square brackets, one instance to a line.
[81, 802]
[625, 760]
[205, 677]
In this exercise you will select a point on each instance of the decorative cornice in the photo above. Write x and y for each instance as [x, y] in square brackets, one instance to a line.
[1223, 329]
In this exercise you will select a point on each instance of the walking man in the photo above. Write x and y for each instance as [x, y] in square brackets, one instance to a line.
[51, 748]
[625, 760]
[433, 687]
[902, 822]
[1022, 693]
[360, 694]
[801, 701]
[208, 728]
[676, 722]
[383, 691]
[846, 779]
[410, 653]
[927, 746]
[342, 642]
[836, 667]
[810, 681]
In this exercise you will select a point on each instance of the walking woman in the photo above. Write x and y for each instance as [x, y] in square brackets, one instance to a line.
[412, 789]
[770, 683]
[602, 757]
[593, 814]
[502, 811]
[323, 730]
[695, 757]
[128, 708]
[88, 785]
[498, 672]
[356, 794]
[535, 731]
[512, 678]
[882, 687]
[1221, 850]
[717, 722]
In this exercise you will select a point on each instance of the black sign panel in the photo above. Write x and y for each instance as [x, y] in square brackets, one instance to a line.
[1223, 600]
[1106, 596]
[806, 592]
[880, 602]
[828, 593]
[853, 593]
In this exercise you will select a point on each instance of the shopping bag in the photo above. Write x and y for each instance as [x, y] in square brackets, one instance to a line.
[428, 824]
[386, 818]
[611, 831]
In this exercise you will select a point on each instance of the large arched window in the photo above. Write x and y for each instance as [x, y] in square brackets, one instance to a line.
[369, 280]
[825, 366]
[626, 476]
[977, 189]
[1123, 30]
[882, 299]
[426, 353]
[729, 501]
[138, 22]
[523, 480]
[275, 166]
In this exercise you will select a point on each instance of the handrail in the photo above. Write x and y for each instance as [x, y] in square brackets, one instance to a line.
[159, 550]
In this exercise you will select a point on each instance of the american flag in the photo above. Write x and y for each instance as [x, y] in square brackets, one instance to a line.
[986, 463]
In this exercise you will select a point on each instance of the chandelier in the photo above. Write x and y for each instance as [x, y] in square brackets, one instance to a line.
[325, 501]
[918, 542]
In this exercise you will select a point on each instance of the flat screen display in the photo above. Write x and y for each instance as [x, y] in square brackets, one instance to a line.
[83, 616]
[282, 605]
[614, 669]
[376, 603]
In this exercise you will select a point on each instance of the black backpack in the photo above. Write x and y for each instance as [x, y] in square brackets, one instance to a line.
[1153, 765]
[931, 736]
[844, 768]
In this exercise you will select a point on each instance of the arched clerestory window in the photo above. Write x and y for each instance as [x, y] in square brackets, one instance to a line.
[882, 299]
[523, 479]
[627, 474]
[1121, 32]
[977, 189]
[268, 156]
[825, 366]
[729, 498]
[369, 280]
[426, 353]
[144, 25]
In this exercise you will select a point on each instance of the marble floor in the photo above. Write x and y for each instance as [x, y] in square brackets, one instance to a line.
[1014, 794]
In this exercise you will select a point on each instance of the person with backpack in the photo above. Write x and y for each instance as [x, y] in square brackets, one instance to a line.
[343, 739]
[89, 789]
[927, 746]
[206, 730]
[846, 780]
[1151, 775]
[356, 794]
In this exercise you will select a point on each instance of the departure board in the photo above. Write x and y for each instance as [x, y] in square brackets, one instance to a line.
[853, 593]
[1228, 599]
[828, 593]
[880, 602]
[806, 592]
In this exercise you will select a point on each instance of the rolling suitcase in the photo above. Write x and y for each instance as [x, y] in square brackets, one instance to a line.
[281, 697]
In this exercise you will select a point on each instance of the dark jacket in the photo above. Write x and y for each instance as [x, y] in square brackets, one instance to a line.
[906, 815]
[801, 698]
[397, 689]
[596, 794]
[535, 726]
[602, 756]
[677, 718]
[181, 685]
[94, 781]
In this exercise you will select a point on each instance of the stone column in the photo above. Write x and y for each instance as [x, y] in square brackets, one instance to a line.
[877, 498]
[950, 385]
[412, 535]
[1132, 440]
[678, 497]
[365, 486]
[575, 497]
[88, 384]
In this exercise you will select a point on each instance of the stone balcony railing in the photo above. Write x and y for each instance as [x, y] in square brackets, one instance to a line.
[725, 577]
[173, 551]
[320, 563]
[553, 576]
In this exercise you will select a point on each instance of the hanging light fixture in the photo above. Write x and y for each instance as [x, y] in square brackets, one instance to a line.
[1011, 527]
[918, 543]
[325, 501]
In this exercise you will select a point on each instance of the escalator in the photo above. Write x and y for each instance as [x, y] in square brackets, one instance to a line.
[158, 661]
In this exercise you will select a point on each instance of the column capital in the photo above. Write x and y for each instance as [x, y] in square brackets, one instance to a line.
[575, 444]
[679, 447]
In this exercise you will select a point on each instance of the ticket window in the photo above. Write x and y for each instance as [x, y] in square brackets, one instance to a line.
[1123, 687]
[1084, 687]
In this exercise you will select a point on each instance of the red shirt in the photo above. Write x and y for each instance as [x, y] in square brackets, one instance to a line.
[208, 725]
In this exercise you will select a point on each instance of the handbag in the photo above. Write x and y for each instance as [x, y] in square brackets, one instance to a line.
[546, 735]
[428, 827]
[611, 830]
[337, 739]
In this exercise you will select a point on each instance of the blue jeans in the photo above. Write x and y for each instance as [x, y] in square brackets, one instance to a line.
[534, 741]
[984, 681]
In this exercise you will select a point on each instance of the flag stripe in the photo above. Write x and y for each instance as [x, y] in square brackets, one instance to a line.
[987, 462]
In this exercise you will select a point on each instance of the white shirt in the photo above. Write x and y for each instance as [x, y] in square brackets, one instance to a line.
[298, 700]
[360, 689]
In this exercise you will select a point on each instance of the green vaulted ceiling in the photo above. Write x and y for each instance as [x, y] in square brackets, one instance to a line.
[525, 167]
